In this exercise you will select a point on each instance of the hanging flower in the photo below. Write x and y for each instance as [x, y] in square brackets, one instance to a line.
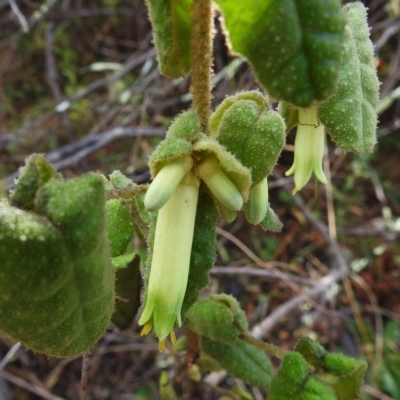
[171, 258]
[309, 149]
[174, 194]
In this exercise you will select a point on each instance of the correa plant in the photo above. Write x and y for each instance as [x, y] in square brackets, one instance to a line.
[69, 265]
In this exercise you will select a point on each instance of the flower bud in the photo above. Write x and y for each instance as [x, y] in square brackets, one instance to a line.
[256, 207]
[227, 214]
[166, 181]
[219, 184]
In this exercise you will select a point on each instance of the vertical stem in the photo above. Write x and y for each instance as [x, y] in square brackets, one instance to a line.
[84, 376]
[202, 59]
[193, 346]
[329, 194]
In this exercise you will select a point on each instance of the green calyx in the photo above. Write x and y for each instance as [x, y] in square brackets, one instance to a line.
[309, 149]
[184, 148]
[255, 135]
[251, 131]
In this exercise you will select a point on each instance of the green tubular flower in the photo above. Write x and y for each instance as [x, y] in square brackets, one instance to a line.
[171, 259]
[309, 149]
[166, 182]
[255, 209]
[219, 184]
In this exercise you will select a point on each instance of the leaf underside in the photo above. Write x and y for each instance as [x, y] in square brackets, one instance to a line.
[293, 46]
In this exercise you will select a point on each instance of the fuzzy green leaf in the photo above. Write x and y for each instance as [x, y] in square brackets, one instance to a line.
[293, 46]
[294, 382]
[271, 222]
[254, 134]
[203, 249]
[350, 116]
[56, 278]
[36, 172]
[127, 290]
[240, 359]
[119, 226]
[76, 207]
[172, 30]
[121, 188]
[207, 363]
[344, 374]
[219, 317]
[212, 319]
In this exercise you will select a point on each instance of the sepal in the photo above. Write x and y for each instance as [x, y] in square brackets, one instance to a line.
[251, 131]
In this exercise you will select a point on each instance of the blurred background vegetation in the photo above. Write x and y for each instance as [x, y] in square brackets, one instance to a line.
[79, 82]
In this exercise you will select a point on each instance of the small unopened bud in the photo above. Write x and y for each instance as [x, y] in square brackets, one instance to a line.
[219, 184]
[227, 214]
[165, 183]
[256, 207]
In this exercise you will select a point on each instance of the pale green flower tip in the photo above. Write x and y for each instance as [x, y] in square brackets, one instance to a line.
[219, 184]
[301, 180]
[161, 321]
[165, 183]
[147, 313]
[290, 171]
[320, 174]
[256, 207]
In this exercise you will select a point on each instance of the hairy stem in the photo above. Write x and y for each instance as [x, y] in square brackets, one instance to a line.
[202, 60]
[84, 375]
[268, 348]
